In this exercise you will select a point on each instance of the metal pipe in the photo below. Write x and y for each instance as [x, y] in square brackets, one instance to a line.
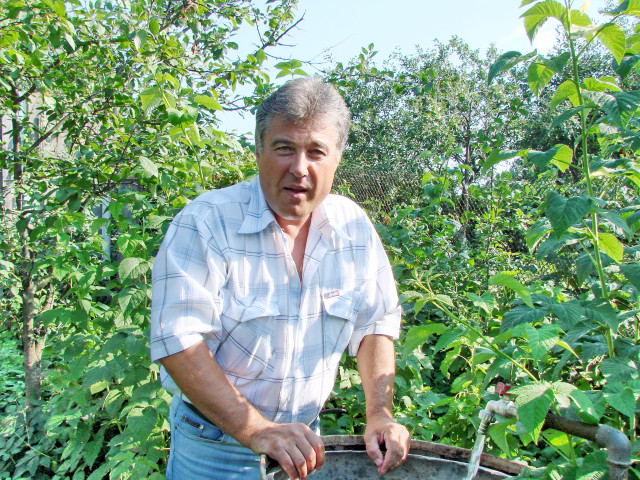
[616, 442]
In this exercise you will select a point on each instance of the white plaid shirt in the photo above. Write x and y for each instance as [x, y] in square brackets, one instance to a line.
[225, 275]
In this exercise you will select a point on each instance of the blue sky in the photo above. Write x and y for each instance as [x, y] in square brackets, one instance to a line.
[339, 28]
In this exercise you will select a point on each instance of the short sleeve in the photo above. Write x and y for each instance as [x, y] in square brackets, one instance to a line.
[187, 279]
[380, 313]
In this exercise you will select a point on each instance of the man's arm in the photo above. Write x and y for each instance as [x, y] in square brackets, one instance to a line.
[197, 373]
[376, 363]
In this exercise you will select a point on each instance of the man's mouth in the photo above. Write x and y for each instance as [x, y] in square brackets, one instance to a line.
[295, 189]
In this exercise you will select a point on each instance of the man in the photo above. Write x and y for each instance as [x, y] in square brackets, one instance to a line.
[257, 291]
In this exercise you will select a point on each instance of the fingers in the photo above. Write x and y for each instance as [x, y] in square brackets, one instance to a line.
[297, 449]
[396, 439]
[374, 452]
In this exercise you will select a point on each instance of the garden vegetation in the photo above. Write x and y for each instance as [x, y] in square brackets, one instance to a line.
[512, 223]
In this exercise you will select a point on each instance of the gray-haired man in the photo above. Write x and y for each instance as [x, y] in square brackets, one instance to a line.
[259, 288]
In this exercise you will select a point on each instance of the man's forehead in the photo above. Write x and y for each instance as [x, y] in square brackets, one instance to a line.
[282, 129]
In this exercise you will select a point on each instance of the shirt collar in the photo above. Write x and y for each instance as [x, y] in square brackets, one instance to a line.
[259, 216]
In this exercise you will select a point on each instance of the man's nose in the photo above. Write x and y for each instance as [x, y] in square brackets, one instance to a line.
[299, 165]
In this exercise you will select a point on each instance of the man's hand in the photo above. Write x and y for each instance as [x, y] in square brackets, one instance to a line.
[297, 449]
[195, 370]
[395, 437]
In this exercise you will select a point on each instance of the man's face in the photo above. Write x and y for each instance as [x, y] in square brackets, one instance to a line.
[297, 165]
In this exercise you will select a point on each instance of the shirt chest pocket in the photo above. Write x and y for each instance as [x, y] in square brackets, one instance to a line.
[247, 338]
[339, 314]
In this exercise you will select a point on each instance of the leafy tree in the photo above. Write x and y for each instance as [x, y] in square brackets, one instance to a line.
[109, 128]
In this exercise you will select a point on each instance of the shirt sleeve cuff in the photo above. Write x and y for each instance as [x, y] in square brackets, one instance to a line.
[163, 347]
[389, 325]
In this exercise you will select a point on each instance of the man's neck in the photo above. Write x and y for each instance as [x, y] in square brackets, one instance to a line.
[296, 233]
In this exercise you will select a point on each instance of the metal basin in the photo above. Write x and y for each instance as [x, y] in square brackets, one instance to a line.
[346, 459]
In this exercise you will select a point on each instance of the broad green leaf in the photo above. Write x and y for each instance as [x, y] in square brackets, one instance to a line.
[541, 340]
[627, 7]
[533, 403]
[142, 422]
[560, 156]
[496, 156]
[154, 26]
[508, 279]
[620, 398]
[560, 441]
[536, 232]
[567, 347]
[507, 61]
[570, 112]
[60, 8]
[536, 16]
[619, 107]
[599, 310]
[569, 313]
[566, 90]
[150, 99]
[610, 245]
[563, 212]
[589, 410]
[613, 38]
[444, 299]
[632, 272]
[627, 65]
[208, 102]
[417, 336]
[601, 84]
[618, 223]
[131, 268]
[148, 166]
[486, 302]
[501, 433]
[579, 19]
[618, 370]
[538, 76]
[447, 339]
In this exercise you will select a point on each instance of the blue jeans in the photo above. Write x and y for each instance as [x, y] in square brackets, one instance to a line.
[201, 451]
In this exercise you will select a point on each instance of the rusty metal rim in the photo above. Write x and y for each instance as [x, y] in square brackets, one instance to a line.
[420, 447]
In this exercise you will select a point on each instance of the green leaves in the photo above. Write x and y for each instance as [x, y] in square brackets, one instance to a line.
[566, 90]
[537, 16]
[540, 72]
[533, 403]
[418, 335]
[508, 279]
[560, 156]
[208, 102]
[614, 39]
[565, 212]
[506, 62]
[290, 67]
[132, 268]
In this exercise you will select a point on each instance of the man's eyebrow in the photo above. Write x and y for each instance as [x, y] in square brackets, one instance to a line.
[286, 141]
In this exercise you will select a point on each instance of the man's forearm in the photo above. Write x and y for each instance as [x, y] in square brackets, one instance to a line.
[198, 375]
[376, 364]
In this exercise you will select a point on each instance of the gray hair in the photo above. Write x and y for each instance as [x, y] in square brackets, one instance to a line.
[301, 100]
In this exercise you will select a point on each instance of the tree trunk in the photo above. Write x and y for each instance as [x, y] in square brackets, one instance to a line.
[32, 343]
[32, 339]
